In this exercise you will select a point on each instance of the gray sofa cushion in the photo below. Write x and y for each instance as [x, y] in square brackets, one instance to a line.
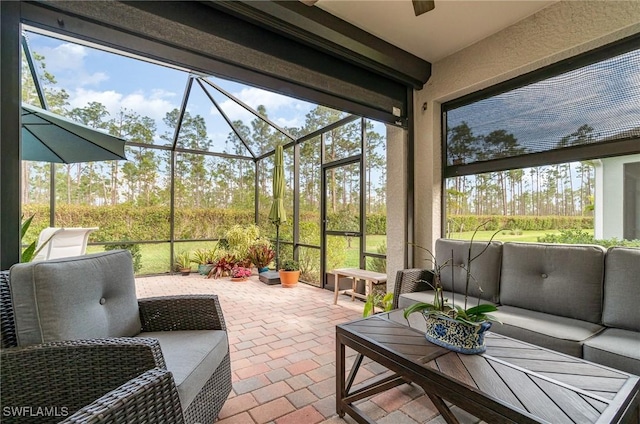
[546, 330]
[622, 289]
[192, 356]
[485, 269]
[619, 349]
[91, 296]
[564, 280]
[408, 299]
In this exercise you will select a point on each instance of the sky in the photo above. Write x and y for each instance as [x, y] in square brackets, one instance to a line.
[89, 74]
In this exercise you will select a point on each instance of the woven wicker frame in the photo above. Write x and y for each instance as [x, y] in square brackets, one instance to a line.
[411, 281]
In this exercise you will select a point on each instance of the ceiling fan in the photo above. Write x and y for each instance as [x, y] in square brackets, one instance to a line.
[419, 6]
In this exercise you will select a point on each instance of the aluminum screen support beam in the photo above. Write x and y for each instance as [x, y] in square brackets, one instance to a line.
[10, 134]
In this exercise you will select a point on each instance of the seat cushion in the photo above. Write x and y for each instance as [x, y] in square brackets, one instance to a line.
[84, 297]
[563, 280]
[551, 331]
[615, 348]
[622, 288]
[408, 299]
[192, 356]
[485, 268]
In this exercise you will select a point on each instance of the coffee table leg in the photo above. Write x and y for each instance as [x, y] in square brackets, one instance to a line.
[341, 391]
[443, 409]
[353, 372]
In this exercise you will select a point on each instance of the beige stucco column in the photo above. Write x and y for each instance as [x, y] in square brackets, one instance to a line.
[396, 201]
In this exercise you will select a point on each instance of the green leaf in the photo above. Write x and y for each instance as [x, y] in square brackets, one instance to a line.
[28, 253]
[25, 226]
[488, 317]
[368, 309]
[417, 307]
[481, 309]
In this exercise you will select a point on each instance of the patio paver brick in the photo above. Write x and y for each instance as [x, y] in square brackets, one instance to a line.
[307, 415]
[237, 404]
[301, 398]
[252, 370]
[302, 366]
[271, 392]
[272, 410]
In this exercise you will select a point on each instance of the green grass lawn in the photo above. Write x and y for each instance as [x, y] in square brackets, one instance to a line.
[505, 235]
[155, 257]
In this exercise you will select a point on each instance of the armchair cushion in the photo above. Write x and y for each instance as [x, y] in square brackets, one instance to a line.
[192, 356]
[85, 297]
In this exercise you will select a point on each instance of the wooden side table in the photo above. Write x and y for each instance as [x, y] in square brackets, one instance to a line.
[369, 277]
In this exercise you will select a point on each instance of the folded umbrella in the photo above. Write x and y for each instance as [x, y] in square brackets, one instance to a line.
[47, 137]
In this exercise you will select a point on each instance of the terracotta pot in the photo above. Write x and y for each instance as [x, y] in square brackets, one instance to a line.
[238, 278]
[185, 271]
[289, 278]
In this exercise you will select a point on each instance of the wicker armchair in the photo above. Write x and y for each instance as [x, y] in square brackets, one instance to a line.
[114, 379]
[411, 281]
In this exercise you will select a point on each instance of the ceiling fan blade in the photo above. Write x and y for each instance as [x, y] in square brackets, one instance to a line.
[423, 6]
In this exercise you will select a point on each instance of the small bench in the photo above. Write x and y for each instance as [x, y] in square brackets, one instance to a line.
[369, 277]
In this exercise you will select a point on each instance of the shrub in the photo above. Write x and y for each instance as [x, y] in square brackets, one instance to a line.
[584, 237]
[135, 253]
[380, 264]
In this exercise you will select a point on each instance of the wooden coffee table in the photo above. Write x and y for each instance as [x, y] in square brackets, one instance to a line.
[512, 382]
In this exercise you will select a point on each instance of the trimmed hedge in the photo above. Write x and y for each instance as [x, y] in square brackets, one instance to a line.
[127, 222]
[458, 223]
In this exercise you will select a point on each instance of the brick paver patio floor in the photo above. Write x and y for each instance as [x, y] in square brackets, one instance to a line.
[282, 344]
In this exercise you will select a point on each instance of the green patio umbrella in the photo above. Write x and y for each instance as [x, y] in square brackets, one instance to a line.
[277, 215]
[47, 137]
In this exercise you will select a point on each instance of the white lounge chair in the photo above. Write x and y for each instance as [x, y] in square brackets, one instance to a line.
[62, 242]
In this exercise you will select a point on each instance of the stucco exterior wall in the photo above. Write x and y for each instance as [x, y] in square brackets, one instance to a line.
[560, 31]
[609, 196]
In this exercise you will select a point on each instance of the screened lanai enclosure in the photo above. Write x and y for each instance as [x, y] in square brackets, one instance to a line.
[200, 152]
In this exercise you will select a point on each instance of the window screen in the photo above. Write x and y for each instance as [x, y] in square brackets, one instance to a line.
[597, 103]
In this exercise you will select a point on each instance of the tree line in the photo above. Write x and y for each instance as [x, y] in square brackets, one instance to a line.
[563, 189]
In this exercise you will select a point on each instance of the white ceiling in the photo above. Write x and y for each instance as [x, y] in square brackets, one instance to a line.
[450, 27]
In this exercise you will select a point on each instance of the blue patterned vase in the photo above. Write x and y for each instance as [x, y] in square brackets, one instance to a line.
[456, 335]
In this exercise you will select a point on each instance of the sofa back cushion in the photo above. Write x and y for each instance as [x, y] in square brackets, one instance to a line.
[485, 269]
[558, 279]
[83, 297]
[622, 288]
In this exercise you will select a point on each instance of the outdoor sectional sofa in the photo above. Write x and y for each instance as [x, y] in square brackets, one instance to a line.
[74, 336]
[578, 299]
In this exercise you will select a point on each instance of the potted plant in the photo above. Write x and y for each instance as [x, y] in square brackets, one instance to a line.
[459, 328]
[183, 263]
[240, 273]
[385, 302]
[204, 258]
[289, 273]
[223, 265]
[261, 255]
